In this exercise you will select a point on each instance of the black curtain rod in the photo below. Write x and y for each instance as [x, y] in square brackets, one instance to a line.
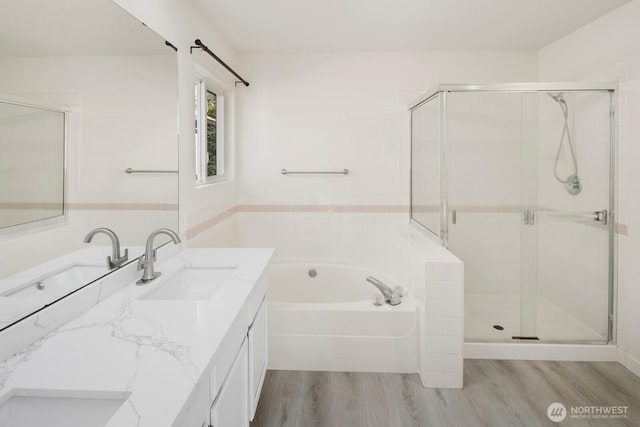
[200, 45]
[167, 43]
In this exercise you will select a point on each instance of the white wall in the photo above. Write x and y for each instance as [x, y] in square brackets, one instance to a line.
[608, 50]
[335, 111]
[180, 22]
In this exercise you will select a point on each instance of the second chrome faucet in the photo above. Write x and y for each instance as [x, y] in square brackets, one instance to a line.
[145, 262]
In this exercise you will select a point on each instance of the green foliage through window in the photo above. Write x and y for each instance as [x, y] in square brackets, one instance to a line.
[212, 142]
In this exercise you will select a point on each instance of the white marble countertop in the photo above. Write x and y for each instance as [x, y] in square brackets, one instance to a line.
[156, 350]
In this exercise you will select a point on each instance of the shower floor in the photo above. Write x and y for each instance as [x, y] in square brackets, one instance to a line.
[482, 312]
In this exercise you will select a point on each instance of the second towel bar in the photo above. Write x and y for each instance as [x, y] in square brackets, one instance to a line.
[342, 172]
[130, 171]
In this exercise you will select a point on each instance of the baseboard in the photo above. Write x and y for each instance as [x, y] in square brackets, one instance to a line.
[631, 363]
[525, 351]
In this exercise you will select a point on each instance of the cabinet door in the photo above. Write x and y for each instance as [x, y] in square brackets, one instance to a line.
[230, 409]
[257, 356]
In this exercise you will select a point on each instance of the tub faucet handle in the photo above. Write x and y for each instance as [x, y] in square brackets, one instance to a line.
[390, 296]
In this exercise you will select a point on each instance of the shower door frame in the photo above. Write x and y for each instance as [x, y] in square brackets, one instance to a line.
[444, 90]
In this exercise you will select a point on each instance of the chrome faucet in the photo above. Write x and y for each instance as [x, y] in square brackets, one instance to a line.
[145, 262]
[391, 296]
[115, 260]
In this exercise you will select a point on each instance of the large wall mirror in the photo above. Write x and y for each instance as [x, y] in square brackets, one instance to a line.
[86, 93]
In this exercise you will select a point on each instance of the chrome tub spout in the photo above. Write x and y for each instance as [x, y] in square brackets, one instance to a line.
[391, 297]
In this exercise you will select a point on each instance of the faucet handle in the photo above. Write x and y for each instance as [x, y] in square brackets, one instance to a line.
[117, 262]
[142, 262]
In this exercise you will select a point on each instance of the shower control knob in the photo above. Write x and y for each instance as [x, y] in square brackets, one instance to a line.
[573, 185]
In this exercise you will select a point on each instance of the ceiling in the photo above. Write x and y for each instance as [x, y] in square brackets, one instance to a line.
[73, 28]
[398, 25]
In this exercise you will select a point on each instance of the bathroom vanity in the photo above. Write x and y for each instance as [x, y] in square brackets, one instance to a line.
[186, 349]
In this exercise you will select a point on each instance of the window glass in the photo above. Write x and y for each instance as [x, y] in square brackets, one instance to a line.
[212, 142]
[209, 143]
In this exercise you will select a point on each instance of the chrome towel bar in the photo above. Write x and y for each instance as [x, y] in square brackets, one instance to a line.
[342, 172]
[130, 171]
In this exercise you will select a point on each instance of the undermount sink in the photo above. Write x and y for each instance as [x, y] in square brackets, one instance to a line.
[28, 408]
[59, 283]
[190, 283]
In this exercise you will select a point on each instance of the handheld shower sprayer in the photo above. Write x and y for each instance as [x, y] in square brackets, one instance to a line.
[572, 184]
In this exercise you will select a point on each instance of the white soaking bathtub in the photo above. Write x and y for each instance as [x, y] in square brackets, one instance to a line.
[329, 322]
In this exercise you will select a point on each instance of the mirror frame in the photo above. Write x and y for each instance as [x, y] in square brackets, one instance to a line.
[40, 224]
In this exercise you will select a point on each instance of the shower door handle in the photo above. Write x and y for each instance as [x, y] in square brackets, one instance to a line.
[454, 217]
[602, 216]
[529, 217]
[599, 216]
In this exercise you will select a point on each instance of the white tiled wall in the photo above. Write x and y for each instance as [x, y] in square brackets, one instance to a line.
[436, 279]
[221, 235]
[348, 237]
[444, 327]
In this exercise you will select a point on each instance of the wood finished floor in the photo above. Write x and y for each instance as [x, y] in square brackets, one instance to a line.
[496, 393]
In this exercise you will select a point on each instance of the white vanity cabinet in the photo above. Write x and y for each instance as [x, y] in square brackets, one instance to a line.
[237, 377]
[257, 356]
[230, 408]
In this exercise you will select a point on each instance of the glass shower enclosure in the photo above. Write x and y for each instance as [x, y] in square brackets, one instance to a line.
[517, 180]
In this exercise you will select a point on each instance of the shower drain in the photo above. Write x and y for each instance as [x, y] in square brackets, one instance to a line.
[498, 327]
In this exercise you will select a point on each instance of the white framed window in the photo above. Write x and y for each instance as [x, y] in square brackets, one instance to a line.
[210, 132]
